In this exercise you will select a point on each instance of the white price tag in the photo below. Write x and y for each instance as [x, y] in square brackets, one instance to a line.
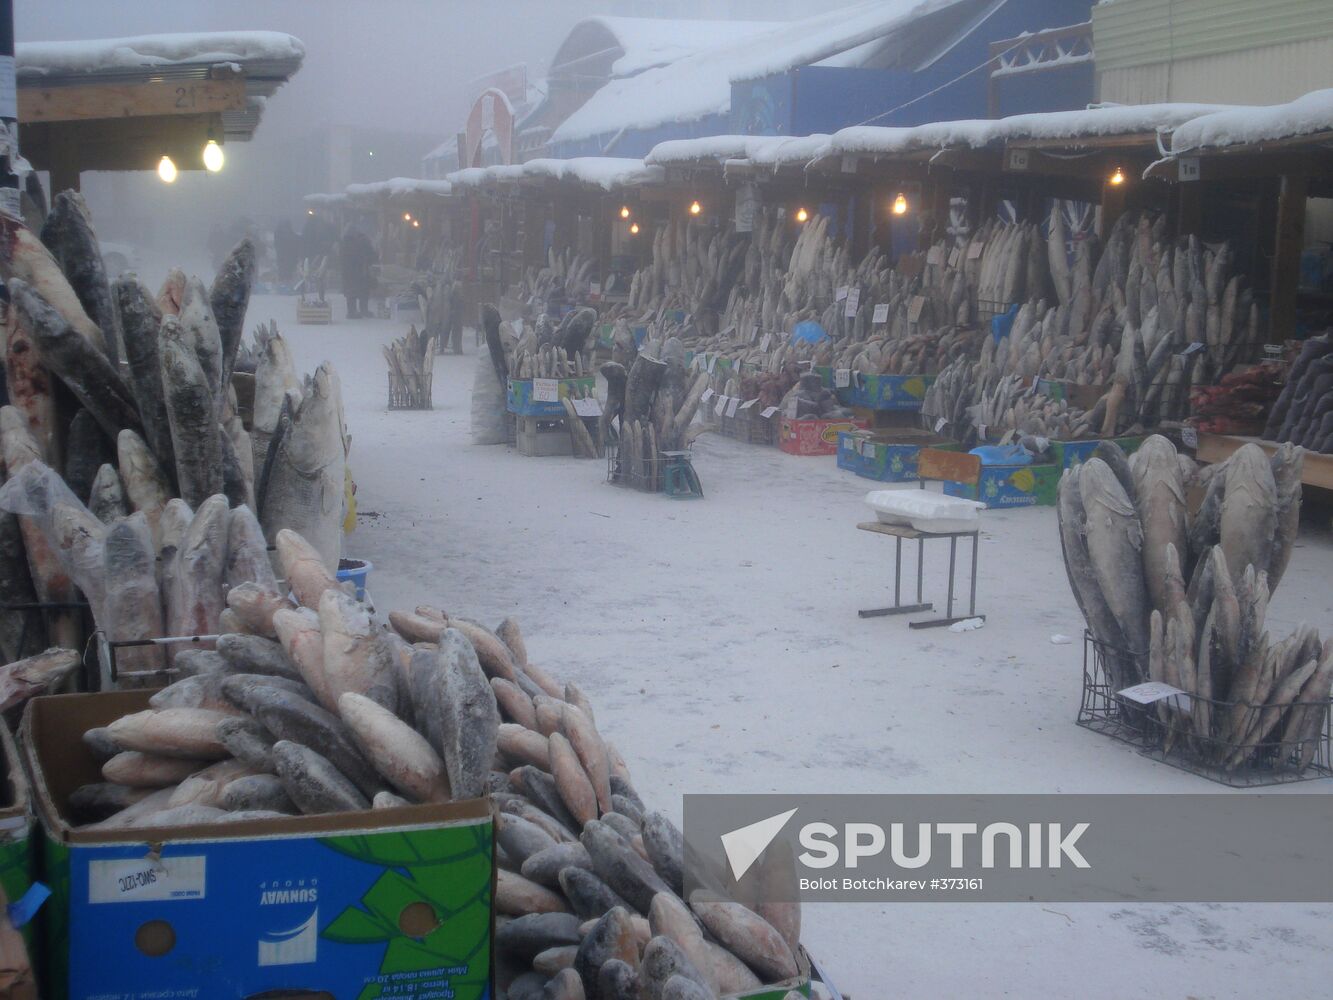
[840, 294]
[881, 313]
[939, 424]
[731, 406]
[842, 378]
[135, 880]
[1189, 437]
[708, 394]
[587, 407]
[768, 412]
[981, 432]
[721, 405]
[546, 390]
[853, 302]
[749, 403]
[1149, 692]
[754, 332]
[867, 449]
[767, 339]
[595, 288]
[914, 309]
[1194, 348]
[712, 363]
[976, 250]
[935, 255]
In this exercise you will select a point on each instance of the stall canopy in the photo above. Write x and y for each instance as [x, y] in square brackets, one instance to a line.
[124, 103]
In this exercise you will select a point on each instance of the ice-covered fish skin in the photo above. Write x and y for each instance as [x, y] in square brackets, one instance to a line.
[106, 499]
[1249, 511]
[22, 633]
[146, 486]
[257, 791]
[520, 838]
[135, 813]
[34, 675]
[206, 787]
[148, 770]
[253, 654]
[132, 608]
[575, 789]
[355, 656]
[587, 743]
[470, 719]
[23, 258]
[86, 450]
[32, 388]
[171, 732]
[617, 864]
[196, 691]
[304, 568]
[610, 938]
[515, 896]
[680, 988]
[313, 783]
[665, 846]
[256, 605]
[101, 800]
[546, 866]
[1115, 545]
[191, 415]
[304, 479]
[275, 377]
[141, 325]
[514, 703]
[77, 363]
[237, 439]
[588, 895]
[416, 628]
[523, 746]
[248, 741]
[1160, 499]
[401, 755]
[662, 961]
[68, 234]
[524, 938]
[200, 330]
[200, 568]
[172, 292]
[247, 552]
[388, 800]
[229, 298]
[234, 483]
[618, 980]
[1288, 464]
[298, 632]
[748, 936]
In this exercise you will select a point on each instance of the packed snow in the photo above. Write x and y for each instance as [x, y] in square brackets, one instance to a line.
[398, 187]
[92, 55]
[765, 150]
[1308, 114]
[648, 42]
[606, 172]
[719, 642]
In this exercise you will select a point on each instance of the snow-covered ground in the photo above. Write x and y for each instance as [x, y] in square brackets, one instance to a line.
[719, 643]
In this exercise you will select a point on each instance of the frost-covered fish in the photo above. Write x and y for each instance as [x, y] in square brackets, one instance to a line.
[1249, 511]
[1115, 546]
[23, 257]
[146, 486]
[191, 412]
[304, 568]
[401, 755]
[229, 298]
[141, 324]
[312, 782]
[197, 600]
[200, 330]
[132, 608]
[106, 500]
[31, 387]
[355, 656]
[171, 732]
[470, 719]
[34, 675]
[247, 552]
[275, 377]
[172, 292]
[747, 935]
[68, 234]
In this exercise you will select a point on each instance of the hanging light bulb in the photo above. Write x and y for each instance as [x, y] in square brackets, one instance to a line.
[624, 211]
[166, 170]
[802, 215]
[309, 211]
[695, 208]
[407, 216]
[634, 229]
[1118, 177]
[416, 224]
[900, 204]
[214, 158]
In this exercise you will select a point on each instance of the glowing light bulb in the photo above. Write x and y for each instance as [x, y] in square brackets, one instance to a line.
[634, 229]
[695, 208]
[407, 216]
[624, 211]
[1118, 177]
[166, 170]
[802, 215]
[214, 158]
[309, 211]
[416, 224]
[900, 205]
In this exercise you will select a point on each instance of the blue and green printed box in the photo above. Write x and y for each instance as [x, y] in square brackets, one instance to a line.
[1011, 486]
[890, 457]
[1068, 454]
[360, 905]
[518, 396]
[885, 392]
[16, 862]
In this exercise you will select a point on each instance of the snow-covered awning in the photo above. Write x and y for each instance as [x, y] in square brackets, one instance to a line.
[761, 150]
[1308, 115]
[398, 187]
[605, 172]
[321, 200]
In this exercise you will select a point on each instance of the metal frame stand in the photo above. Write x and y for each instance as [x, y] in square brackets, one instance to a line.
[898, 533]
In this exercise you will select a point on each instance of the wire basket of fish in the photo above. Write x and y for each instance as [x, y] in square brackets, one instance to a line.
[1242, 744]
[751, 428]
[410, 391]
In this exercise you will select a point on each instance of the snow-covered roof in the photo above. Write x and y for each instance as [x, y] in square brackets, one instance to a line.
[1308, 114]
[607, 172]
[766, 150]
[650, 41]
[316, 200]
[99, 54]
[399, 187]
[699, 84]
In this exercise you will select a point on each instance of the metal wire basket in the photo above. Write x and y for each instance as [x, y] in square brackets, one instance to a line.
[410, 392]
[1233, 743]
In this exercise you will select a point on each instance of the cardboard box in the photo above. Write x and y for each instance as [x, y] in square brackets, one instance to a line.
[379, 903]
[17, 870]
[518, 396]
[541, 438]
[886, 392]
[1068, 454]
[813, 437]
[1010, 486]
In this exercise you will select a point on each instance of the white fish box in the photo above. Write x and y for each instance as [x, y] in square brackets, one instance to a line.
[924, 511]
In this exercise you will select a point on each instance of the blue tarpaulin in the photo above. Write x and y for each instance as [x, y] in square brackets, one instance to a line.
[809, 332]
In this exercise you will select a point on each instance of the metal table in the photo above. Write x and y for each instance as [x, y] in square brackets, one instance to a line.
[898, 532]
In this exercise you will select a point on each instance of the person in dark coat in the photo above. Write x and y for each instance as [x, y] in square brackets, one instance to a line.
[357, 256]
[285, 249]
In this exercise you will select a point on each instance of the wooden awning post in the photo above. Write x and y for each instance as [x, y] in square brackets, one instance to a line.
[1287, 246]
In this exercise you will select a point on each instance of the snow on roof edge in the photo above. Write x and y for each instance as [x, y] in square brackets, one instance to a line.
[138, 51]
[1238, 126]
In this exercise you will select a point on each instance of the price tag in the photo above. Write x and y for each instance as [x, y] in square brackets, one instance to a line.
[1274, 350]
[587, 407]
[981, 432]
[867, 449]
[708, 394]
[1194, 348]
[749, 403]
[840, 294]
[842, 378]
[954, 254]
[1189, 437]
[881, 315]
[731, 406]
[976, 249]
[939, 424]
[935, 255]
[763, 343]
[698, 360]
[721, 405]
[853, 303]
[754, 332]
[545, 390]
[768, 411]
[1149, 692]
[914, 308]
[712, 363]
[595, 288]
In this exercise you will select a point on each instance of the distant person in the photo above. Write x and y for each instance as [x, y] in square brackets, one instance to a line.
[286, 247]
[357, 256]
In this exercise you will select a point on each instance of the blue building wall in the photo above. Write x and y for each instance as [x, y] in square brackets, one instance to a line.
[1063, 89]
[638, 142]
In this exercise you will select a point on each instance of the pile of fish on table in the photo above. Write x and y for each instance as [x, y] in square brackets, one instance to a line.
[1182, 599]
[1303, 413]
[314, 707]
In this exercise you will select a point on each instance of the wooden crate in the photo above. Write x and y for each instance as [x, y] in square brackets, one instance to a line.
[314, 313]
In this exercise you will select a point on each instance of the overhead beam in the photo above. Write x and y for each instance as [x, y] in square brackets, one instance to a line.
[132, 100]
[1287, 256]
[1241, 166]
[119, 144]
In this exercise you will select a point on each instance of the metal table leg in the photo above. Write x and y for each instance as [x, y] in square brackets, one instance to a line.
[899, 608]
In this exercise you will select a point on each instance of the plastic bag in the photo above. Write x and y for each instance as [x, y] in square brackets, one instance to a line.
[488, 404]
[132, 609]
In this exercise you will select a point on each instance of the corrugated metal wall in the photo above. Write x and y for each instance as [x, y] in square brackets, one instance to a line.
[1243, 51]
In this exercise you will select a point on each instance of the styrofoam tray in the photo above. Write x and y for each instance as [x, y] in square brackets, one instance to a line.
[925, 511]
